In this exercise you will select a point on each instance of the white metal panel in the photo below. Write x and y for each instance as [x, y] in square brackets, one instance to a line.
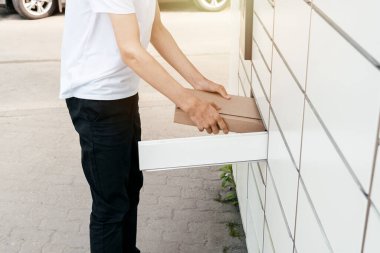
[337, 199]
[268, 243]
[244, 81]
[344, 88]
[259, 175]
[359, 19]
[247, 65]
[287, 103]
[260, 98]
[265, 12]
[291, 34]
[309, 237]
[255, 210]
[205, 150]
[375, 195]
[253, 241]
[241, 190]
[285, 174]
[263, 40]
[263, 72]
[282, 241]
[372, 242]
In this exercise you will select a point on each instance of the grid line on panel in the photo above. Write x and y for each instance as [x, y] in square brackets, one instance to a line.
[336, 147]
[271, 3]
[241, 84]
[245, 71]
[261, 174]
[370, 203]
[327, 241]
[261, 203]
[257, 187]
[302, 129]
[260, 82]
[265, 195]
[263, 26]
[288, 67]
[347, 37]
[261, 54]
[280, 203]
[283, 137]
[376, 209]
[270, 235]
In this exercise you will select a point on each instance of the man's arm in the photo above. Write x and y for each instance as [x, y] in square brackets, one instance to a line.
[165, 44]
[127, 35]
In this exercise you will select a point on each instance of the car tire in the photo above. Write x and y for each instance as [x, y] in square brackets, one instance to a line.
[38, 8]
[211, 5]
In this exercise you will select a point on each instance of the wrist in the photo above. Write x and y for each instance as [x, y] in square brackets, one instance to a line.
[199, 83]
[187, 101]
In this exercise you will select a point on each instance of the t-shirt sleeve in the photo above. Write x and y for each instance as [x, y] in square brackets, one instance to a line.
[113, 6]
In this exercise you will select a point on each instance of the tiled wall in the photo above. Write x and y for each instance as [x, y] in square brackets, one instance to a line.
[315, 75]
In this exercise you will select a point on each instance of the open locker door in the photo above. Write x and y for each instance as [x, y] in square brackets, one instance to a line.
[239, 112]
[201, 151]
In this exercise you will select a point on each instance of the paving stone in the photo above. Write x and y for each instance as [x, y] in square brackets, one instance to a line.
[178, 202]
[78, 214]
[155, 178]
[53, 248]
[31, 247]
[58, 225]
[161, 247]
[162, 190]
[159, 212]
[192, 248]
[148, 200]
[166, 225]
[185, 182]
[72, 239]
[198, 237]
[192, 193]
[76, 250]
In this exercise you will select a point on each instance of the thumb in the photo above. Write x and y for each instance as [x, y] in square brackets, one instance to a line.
[222, 91]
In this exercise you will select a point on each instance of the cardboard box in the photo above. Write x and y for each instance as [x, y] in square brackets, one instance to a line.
[240, 113]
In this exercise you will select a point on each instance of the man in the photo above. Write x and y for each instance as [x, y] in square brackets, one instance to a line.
[103, 56]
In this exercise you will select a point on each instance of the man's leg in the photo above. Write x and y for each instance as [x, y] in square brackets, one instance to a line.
[134, 185]
[106, 130]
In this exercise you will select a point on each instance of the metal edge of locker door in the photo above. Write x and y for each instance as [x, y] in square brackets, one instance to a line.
[202, 151]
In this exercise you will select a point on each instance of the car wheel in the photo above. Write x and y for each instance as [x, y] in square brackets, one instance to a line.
[211, 5]
[35, 9]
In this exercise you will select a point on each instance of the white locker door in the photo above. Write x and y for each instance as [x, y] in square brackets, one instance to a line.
[201, 151]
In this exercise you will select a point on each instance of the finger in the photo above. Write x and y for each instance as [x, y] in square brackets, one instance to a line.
[222, 91]
[222, 125]
[201, 129]
[215, 128]
[209, 130]
[215, 106]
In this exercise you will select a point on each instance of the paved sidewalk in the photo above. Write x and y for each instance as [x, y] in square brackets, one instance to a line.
[45, 202]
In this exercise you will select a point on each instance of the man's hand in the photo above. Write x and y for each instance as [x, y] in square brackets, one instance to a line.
[205, 115]
[210, 86]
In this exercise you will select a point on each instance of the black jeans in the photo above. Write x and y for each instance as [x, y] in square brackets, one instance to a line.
[109, 131]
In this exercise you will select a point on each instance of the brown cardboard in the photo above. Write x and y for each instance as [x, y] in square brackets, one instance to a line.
[240, 113]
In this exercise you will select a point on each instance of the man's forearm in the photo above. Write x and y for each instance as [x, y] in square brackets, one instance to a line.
[164, 43]
[143, 64]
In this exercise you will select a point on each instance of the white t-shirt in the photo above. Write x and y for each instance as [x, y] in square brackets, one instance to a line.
[91, 63]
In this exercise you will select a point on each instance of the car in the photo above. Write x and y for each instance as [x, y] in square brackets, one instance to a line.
[36, 9]
[206, 5]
